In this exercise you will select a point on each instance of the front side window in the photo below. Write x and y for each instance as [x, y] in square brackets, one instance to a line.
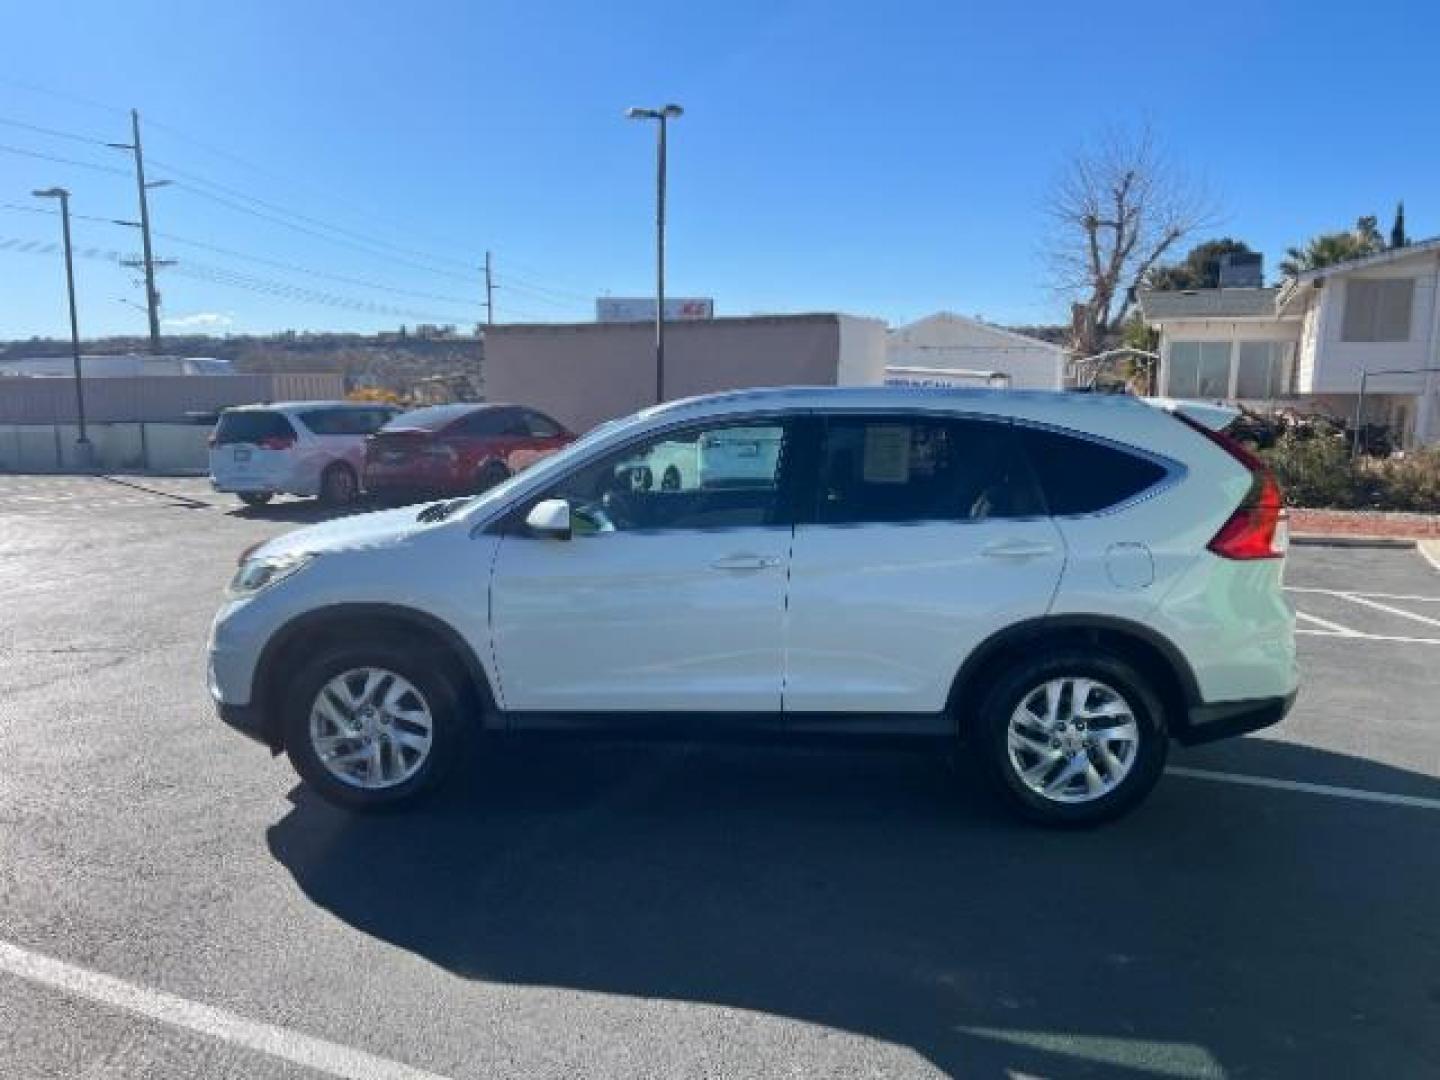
[724, 476]
[1200, 369]
[346, 421]
[903, 469]
[1377, 310]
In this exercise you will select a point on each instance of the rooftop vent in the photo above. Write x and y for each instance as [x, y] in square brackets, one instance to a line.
[1242, 270]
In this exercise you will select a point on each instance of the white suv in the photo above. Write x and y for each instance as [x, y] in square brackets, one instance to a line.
[1064, 582]
[294, 448]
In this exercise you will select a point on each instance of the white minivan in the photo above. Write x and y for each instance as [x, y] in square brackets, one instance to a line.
[294, 448]
[1061, 583]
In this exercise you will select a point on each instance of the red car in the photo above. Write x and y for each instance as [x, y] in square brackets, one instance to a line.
[457, 449]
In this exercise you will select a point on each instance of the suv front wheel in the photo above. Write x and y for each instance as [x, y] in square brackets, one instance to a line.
[372, 725]
[1074, 738]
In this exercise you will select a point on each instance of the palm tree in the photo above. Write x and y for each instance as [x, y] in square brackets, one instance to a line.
[1327, 249]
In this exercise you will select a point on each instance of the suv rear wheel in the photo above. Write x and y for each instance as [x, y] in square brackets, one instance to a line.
[372, 725]
[339, 485]
[1074, 738]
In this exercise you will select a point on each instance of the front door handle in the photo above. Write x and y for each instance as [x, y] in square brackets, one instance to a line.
[745, 562]
[1016, 549]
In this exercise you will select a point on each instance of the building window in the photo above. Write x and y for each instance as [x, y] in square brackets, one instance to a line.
[1378, 309]
[1264, 369]
[1199, 369]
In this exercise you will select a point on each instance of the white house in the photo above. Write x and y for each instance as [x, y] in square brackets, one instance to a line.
[1310, 341]
[946, 342]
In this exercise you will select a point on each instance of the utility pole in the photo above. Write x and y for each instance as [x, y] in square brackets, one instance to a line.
[662, 116]
[152, 296]
[489, 293]
[82, 444]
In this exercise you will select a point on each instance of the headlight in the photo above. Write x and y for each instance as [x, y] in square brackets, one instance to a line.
[257, 574]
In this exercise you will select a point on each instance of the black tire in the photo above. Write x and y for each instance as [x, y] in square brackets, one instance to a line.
[493, 472]
[256, 498]
[1006, 695]
[450, 731]
[339, 486]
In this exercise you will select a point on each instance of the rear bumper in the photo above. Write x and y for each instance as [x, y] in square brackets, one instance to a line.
[1227, 719]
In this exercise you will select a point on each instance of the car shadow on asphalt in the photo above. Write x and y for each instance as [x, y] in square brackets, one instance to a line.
[1221, 930]
[303, 511]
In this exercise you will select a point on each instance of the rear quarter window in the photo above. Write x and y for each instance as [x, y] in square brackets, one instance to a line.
[251, 426]
[346, 421]
[1082, 476]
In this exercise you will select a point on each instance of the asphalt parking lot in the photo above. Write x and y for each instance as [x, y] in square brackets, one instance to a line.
[171, 904]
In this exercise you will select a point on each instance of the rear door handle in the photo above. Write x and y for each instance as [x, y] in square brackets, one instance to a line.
[745, 562]
[1016, 549]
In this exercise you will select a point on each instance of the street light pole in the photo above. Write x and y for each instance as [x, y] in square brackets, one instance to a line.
[663, 115]
[83, 442]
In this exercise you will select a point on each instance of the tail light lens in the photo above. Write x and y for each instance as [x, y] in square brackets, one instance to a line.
[1253, 530]
[277, 442]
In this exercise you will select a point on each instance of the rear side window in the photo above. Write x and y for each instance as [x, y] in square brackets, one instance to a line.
[482, 424]
[541, 426]
[346, 421]
[252, 426]
[908, 468]
[1082, 476]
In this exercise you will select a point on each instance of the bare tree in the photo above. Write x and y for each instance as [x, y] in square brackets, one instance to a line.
[1117, 207]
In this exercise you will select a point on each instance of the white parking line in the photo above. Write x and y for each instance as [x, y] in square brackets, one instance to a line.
[1356, 635]
[1367, 595]
[1415, 802]
[1324, 624]
[303, 1050]
[1378, 606]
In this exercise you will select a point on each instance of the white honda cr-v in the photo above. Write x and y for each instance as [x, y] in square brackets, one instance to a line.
[1060, 582]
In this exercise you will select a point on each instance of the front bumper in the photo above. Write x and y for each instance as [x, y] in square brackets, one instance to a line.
[250, 722]
[1227, 719]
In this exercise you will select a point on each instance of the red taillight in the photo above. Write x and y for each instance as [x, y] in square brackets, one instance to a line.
[1250, 532]
[277, 442]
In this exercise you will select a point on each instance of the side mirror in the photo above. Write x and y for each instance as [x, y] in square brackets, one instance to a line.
[550, 519]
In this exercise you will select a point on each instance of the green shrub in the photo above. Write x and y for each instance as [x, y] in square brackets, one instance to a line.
[1316, 471]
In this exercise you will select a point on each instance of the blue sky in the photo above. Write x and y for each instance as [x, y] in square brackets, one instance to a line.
[882, 159]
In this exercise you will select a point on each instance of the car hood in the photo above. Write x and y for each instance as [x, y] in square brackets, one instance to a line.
[384, 528]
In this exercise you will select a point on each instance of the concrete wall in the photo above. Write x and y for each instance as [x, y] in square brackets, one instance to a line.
[26, 400]
[163, 448]
[584, 373]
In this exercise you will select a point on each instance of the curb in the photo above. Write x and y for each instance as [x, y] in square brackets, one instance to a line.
[1430, 552]
[1324, 540]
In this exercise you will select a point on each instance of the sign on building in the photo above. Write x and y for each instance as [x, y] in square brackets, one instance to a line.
[637, 309]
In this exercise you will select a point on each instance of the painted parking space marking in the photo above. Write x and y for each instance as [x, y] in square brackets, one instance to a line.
[1355, 635]
[306, 1051]
[1347, 593]
[1325, 624]
[1414, 802]
[1389, 610]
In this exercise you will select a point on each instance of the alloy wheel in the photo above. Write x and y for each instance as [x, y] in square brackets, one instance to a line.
[371, 728]
[1073, 740]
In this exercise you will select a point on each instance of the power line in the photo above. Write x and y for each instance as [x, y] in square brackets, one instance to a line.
[219, 275]
[278, 264]
[275, 208]
[63, 161]
[52, 132]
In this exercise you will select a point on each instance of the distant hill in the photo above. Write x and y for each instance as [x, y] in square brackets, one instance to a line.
[388, 360]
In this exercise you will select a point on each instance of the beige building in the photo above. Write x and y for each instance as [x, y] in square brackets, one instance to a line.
[584, 373]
